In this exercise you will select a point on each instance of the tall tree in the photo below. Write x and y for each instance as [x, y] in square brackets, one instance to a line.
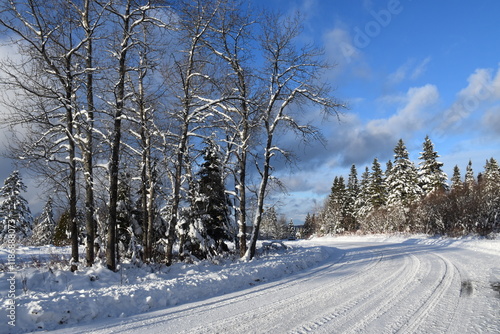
[190, 77]
[50, 39]
[351, 197]
[90, 15]
[470, 181]
[291, 75]
[231, 41]
[334, 212]
[129, 17]
[456, 179]
[212, 204]
[431, 176]
[363, 202]
[377, 188]
[402, 183]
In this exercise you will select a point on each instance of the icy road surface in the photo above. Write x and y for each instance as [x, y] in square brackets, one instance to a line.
[412, 286]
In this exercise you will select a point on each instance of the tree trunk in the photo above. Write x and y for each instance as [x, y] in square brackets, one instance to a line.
[88, 148]
[176, 198]
[261, 194]
[242, 209]
[115, 145]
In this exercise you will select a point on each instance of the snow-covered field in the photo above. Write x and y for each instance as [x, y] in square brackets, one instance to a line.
[358, 284]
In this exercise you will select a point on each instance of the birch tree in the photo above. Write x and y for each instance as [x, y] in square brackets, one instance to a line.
[191, 81]
[290, 76]
[129, 17]
[231, 42]
[49, 38]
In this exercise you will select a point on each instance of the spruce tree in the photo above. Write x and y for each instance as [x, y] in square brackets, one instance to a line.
[490, 190]
[270, 228]
[376, 187]
[363, 203]
[45, 226]
[388, 168]
[351, 198]
[14, 210]
[456, 179]
[61, 233]
[491, 177]
[309, 226]
[469, 176]
[402, 183]
[211, 206]
[334, 211]
[431, 176]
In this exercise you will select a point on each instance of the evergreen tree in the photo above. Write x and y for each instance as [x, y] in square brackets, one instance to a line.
[14, 210]
[402, 183]
[61, 233]
[272, 227]
[210, 225]
[456, 179]
[338, 191]
[126, 224]
[334, 211]
[491, 177]
[309, 226]
[376, 187]
[351, 198]
[469, 176]
[388, 168]
[431, 176]
[490, 202]
[363, 203]
[292, 231]
[45, 226]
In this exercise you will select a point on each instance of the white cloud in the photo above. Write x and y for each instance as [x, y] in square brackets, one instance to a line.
[353, 141]
[410, 70]
[412, 116]
[483, 88]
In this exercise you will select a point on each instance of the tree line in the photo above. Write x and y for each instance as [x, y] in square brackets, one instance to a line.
[407, 198]
[153, 125]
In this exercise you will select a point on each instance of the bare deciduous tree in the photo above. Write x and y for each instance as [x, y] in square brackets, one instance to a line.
[291, 77]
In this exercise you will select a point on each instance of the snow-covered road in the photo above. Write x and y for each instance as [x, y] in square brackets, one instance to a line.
[412, 286]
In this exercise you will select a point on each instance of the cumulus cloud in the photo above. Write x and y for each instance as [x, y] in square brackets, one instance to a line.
[483, 87]
[355, 141]
[360, 142]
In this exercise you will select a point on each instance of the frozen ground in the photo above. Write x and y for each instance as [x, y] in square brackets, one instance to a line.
[370, 284]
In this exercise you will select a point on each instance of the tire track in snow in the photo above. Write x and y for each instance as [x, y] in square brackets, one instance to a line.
[441, 286]
[280, 308]
[237, 300]
[381, 302]
[367, 305]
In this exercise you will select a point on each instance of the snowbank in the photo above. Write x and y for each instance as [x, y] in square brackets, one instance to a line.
[47, 298]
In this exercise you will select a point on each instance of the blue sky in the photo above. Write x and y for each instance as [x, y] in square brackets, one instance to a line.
[406, 69]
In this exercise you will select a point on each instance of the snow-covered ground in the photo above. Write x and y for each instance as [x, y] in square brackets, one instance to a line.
[357, 284]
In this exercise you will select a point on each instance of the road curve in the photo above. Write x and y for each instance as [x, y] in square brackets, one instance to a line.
[362, 288]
